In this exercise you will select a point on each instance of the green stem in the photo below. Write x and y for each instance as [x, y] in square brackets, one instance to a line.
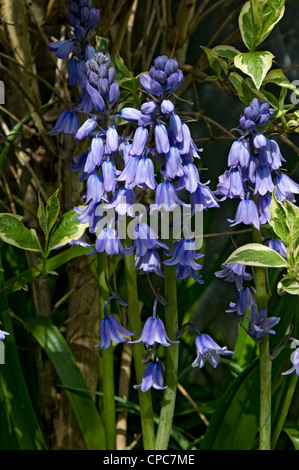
[107, 362]
[265, 362]
[172, 359]
[145, 400]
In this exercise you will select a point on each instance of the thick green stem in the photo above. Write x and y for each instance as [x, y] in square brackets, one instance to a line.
[172, 357]
[107, 362]
[145, 400]
[265, 362]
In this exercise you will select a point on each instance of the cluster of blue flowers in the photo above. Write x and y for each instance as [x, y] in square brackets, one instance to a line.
[158, 158]
[254, 164]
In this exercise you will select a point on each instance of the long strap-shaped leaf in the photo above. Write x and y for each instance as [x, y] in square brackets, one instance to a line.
[19, 426]
[51, 340]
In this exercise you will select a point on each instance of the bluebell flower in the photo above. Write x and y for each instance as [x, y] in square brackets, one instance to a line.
[204, 197]
[190, 179]
[161, 138]
[239, 153]
[184, 254]
[96, 98]
[247, 214]
[62, 48]
[86, 105]
[153, 332]
[175, 128]
[236, 184]
[259, 324]
[167, 107]
[112, 331]
[278, 246]
[149, 263]
[3, 334]
[130, 114]
[89, 215]
[122, 202]
[285, 186]
[67, 123]
[139, 141]
[234, 272]
[263, 181]
[97, 150]
[79, 165]
[208, 350]
[152, 377]
[173, 163]
[145, 239]
[295, 361]
[109, 175]
[94, 188]
[108, 241]
[264, 208]
[243, 303]
[166, 197]
[86, 129]
[256, 114]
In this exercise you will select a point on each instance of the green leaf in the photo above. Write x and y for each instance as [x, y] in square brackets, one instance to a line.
[277, 77]
[227, 52]
[48, 215]
[256, 254]
[286, 284]
[102, 44]
[19, 426]
[292, 220]
[293, 435]
[254, 64]
[132, 84]
[215, 62]
[278, 218]
[246, 94]
[55, 346]
[14, 232]
[121, 68]
[67, 229]
[257, 19]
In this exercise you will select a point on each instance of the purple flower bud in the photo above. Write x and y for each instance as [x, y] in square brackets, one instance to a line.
[89, 52]
[108, 170]
[86, 128]
[161, 138]
[175, 80]
[160, 62]
[79, 32]
[93, 18]
[175, 127]
[94, 188]
[114, 93]
[171, 66]
[156, 88]
[103, 86]
[96, 98]
[97, 150]
[111, 139]
[145, 80]
[139, 141]
[279, 246]
[130, 114]
[149, 107]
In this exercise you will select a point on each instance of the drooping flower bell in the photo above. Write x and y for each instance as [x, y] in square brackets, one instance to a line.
[152, 377]
[208, 350]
